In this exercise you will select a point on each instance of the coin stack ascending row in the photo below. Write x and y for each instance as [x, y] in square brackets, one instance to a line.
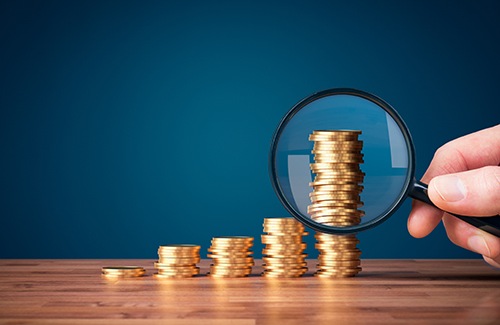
[231, 256]
[335, 199]
[178, 261]
[283, 255]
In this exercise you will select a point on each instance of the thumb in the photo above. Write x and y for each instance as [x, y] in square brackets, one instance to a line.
[470, 193]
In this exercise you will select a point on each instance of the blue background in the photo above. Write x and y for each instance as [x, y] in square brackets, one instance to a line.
[129, 124]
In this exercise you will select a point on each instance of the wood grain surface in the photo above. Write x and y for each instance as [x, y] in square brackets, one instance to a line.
[385, 292]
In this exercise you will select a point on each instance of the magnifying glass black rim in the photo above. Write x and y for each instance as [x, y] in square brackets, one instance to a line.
[369, 224]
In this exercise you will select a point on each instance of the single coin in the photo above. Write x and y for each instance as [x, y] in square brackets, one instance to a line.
[179, 262]
[243, 239]
[291, 247]
[179, 247]
[172, 276]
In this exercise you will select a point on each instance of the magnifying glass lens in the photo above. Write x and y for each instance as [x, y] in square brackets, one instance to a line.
[341, 161]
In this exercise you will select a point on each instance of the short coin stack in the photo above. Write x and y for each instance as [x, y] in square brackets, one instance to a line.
[123, 271]
[231, 256]
[336, 198]
[178, 261]
[283, 255]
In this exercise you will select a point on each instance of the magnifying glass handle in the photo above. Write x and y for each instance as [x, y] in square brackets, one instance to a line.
[488, 224]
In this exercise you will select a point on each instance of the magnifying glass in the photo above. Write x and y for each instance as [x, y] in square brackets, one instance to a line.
[385, 163]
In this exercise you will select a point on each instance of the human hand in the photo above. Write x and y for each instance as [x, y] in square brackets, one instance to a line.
[463, 178]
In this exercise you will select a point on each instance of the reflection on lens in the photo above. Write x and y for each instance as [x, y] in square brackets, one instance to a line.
[364, 164]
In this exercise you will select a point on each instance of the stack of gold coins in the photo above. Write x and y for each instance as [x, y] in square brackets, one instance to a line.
[178, 261]
[231, 256]
[123, 271]
[338, 255]
[283, 255]
[335, 199]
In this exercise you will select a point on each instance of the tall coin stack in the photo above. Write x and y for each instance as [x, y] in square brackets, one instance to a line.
[231, 256]
[335, 200]
[178, 261]
[283, 255]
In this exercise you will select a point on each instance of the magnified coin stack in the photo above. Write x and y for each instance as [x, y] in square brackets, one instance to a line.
[335, 199]
[178, 261]
[231, 256]
[123, 271]
[283, 255]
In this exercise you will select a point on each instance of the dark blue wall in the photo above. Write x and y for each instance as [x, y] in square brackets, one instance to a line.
[128, 124]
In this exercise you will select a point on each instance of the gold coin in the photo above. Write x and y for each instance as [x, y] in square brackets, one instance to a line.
[320, 167]
[231, 248]
[345, 197]
[339, 257]
[179, 273]
[216, 275]
[324, 150]
[333, 132]
[287, 225]
[285, 231]
[336, 160]
[127, 268]
[233, 239]
[302, 267]
[129, 272]
[282, 241]
[222, 254]
[179, 247]
[334, 137]
[281, 220]
[282, 253]
[320, 206]
[332, 210]
[166, 263]
[291, 247]
[336, 170]
[345, 194]
[350, 264]
[340, 174]
[322, 181]
[287, 273]
[227, 268]
[337, 220]
[337, 212]
[172, 276]
[286, 234]
[352, 188]
[230, 259]
[340, 269]
[231, 272]
[281, 260]
[285, 238]
[284, 266]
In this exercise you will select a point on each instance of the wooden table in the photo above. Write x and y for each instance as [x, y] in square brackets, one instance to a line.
[387, 291]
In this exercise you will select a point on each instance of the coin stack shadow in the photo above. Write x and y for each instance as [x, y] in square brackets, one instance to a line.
[178, 261]
[335, 200]
[283, 255]
[231, 256]
[112, 272]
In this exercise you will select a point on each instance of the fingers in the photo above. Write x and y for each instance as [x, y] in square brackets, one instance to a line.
[423, 219]
[474, 239]
[473, 193]
[472, 151]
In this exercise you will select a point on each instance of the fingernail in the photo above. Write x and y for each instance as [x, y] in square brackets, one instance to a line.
[478, 244]
[450, 188]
